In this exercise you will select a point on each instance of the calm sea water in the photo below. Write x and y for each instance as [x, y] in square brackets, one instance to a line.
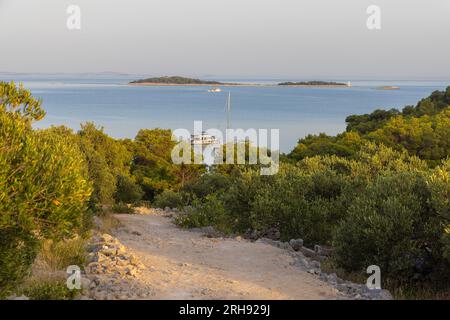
[122, 110]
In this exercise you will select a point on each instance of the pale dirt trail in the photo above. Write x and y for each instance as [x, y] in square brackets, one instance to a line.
[182, 264]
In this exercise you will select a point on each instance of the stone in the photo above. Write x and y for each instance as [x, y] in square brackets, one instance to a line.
[109, 251]
[296, 244]
[85, 283]
[308, 252]
[332, 278]
[283, 245]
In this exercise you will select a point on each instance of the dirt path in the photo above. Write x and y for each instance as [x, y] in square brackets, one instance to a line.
[182, 264]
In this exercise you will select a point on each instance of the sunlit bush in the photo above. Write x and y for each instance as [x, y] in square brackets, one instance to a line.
[43, 184]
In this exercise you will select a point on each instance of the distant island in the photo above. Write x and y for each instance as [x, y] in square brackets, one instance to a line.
[184, 81]
[313, 83]
[177, 80]
[388, 88]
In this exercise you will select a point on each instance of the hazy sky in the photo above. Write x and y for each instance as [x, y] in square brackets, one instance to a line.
[234, 38]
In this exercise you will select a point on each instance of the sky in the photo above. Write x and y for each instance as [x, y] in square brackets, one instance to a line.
[302, 39]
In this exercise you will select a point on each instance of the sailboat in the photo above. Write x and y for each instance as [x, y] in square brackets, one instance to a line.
[205, 139]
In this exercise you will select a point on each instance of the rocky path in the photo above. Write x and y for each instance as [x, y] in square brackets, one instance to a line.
[181, 264]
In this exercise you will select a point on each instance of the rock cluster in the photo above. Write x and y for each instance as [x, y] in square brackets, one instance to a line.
[111, 272]
[310, 261]
[108, 256]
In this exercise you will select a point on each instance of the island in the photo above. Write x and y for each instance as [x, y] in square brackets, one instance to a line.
[315, 84]
[178, 81]
[388, 88]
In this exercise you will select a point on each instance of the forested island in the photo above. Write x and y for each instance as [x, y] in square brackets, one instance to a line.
[177, 80]
[312, 83]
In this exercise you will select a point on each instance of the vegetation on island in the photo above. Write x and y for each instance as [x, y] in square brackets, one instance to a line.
[176, 80]
[378, 193]
[312, 83]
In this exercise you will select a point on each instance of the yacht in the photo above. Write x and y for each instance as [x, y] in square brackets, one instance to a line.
[203, 139]
[214, 90]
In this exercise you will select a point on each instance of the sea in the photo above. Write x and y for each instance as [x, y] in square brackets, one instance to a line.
[122, 110]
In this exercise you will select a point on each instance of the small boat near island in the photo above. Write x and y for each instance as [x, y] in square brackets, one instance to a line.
[215, 90]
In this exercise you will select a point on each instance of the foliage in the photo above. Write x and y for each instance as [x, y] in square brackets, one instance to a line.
[58, 255]
[18, 100]
[122, 208]
[153, 166]
[43, 185]
[426, 137]
[49, 290]
[421, 130]
[107, 159]
[344, 145]
[169, 199]
[210, 212]
[391, 225]
[207, 184]
[18, 250]
[127, 190]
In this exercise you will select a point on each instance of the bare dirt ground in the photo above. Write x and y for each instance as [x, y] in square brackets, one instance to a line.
[181, 264]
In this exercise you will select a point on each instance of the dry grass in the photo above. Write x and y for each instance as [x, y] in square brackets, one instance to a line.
[48, 277]
[55, 256]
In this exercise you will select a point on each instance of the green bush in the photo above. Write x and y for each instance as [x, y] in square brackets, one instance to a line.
[106, 158]
[127, 190]
[18, 249]
[169, 199]
[391, 225]
[301, 205]
[122, 208]
[43, 184]
[207, 184]
[208, 213]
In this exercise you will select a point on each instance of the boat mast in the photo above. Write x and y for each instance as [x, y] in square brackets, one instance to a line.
[228, 110]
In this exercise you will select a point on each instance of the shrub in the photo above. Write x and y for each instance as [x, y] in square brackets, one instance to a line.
[58, 255]
[43, 184]
[127, 190]
[301, 205]
[169, 199]
[391, 225]
[49, 290]
[207, 184]
[106, 158]
[208, 213]
[18, 250]
[122, 208]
